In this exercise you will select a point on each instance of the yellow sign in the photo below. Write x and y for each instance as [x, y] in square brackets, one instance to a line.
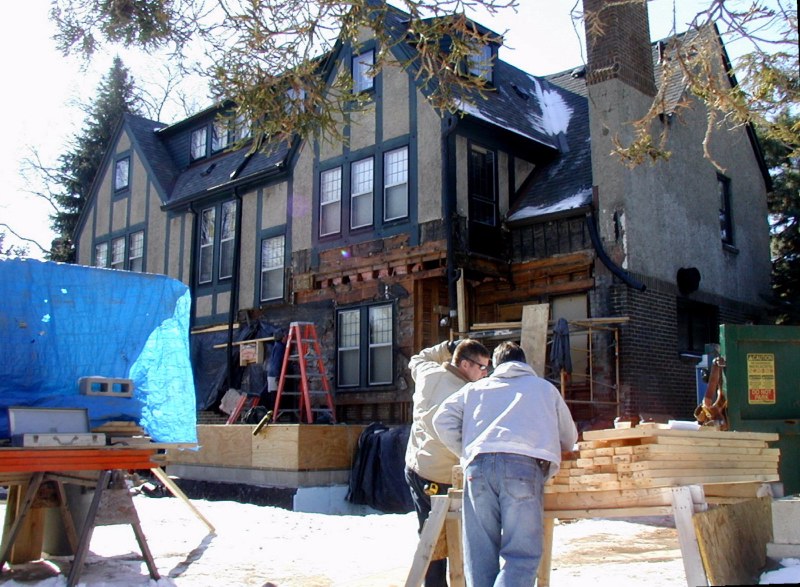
[761, 378]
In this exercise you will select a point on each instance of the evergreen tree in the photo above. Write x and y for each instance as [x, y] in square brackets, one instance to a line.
[116, 95]
[784, 208]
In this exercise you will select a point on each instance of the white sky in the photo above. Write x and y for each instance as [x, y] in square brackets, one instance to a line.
[43, 87]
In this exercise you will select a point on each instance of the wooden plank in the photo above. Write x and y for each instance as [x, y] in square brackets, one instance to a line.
[694, 480]
[682, 510]
[427, 540]
[733, 540]
[620, 512]
[677, 474]
[546, 562]
[534, 335]
[653, 449]
[697, 464]
[595, 500]
[640, 432]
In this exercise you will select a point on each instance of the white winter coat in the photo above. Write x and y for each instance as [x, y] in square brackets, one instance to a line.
[511, 411]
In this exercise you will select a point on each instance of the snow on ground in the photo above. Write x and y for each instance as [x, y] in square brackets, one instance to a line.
[272, 547]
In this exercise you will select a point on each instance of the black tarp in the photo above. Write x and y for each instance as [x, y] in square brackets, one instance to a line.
[377, 478]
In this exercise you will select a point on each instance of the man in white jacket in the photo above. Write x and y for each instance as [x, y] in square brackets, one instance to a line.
[509, 430]
[438, 372]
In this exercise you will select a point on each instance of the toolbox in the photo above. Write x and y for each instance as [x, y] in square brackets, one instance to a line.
[51, 427]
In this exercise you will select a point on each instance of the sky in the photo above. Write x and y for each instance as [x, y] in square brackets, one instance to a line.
[44, 88]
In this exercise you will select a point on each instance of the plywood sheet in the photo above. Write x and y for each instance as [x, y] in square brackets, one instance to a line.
[533, 339]
[733, 540]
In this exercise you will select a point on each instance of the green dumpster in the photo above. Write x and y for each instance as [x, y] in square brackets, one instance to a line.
[762, 385]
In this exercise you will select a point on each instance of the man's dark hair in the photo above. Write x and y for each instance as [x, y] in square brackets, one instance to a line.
[508, 351]
[470, 349]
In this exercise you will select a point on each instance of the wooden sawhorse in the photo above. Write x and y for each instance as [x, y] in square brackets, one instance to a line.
[446, 515]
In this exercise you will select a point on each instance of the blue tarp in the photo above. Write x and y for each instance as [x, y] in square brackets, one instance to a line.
[61, 322]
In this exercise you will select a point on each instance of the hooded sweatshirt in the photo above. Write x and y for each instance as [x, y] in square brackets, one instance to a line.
[511, 411]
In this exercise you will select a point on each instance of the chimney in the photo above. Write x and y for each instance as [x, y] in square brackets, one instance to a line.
[622, 50]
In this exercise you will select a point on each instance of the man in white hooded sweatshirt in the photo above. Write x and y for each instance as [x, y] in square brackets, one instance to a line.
[509, 430]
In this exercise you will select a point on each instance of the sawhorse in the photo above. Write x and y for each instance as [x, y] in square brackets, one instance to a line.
[446, 515]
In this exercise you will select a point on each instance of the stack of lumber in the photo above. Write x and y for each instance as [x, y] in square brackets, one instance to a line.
[636, 467]
[121, 432]
[644, 457]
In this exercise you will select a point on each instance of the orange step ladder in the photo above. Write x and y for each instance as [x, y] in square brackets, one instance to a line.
[302, 347]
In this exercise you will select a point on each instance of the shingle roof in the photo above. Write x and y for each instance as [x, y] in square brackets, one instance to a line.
[154, 153]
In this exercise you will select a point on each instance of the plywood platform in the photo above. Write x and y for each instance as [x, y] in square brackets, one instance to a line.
[278, 447]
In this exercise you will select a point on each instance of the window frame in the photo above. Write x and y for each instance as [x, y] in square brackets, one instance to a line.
[365, 347]
[335, 202]
[362, 81]
[194, 154]
[135, 262]
[117, 187]
[387, 185]
[213, 243]
[476, 198]
[725, 210]
[104, 246]
[280, 269]
[365, 195]
[481, 65]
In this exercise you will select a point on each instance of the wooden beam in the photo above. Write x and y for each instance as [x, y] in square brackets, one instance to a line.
[534, 335]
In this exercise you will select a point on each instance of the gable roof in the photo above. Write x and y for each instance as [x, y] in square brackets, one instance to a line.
[152, 150]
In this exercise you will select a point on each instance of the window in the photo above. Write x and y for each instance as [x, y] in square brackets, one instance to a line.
[361, 72]
[199, 140]
[480, 63]
[698, 325]
[241, 128]
[227, 239]
[207, 230]
[136, 251]
[365, 337]
[118, 253]
[272, 259]
[481, 185]
[101, 255]
[395, 184]
[330, 202]
[361, 197]
[122, 173]
[295, 101]
[217, 238]
[347, 372]
[725, 219]
[220, 137]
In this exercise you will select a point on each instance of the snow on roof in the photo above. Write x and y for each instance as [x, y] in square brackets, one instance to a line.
[572, 202]
[475, 111]
[556, 114]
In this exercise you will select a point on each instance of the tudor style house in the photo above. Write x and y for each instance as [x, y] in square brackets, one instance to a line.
[425, 224]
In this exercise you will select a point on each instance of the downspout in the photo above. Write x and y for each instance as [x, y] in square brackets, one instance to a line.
[448, 204]
[234, 299]
[594, 235]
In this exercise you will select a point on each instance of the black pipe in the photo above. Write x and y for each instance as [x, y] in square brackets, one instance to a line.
[630, 281]
[234, 299]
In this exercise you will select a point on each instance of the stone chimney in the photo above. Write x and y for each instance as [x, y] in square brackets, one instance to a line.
[622, 50]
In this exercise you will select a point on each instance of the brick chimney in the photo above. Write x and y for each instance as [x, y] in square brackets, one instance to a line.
[622, 50]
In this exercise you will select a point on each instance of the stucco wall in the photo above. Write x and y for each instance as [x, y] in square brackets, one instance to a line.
[429, 159]
[678, 201]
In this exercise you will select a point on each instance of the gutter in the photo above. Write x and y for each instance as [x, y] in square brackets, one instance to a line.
[448, 205]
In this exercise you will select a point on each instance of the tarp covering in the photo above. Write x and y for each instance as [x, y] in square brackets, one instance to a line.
[61, 322]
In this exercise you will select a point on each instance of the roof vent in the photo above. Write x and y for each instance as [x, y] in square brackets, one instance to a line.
[208, 170]
[578, 72]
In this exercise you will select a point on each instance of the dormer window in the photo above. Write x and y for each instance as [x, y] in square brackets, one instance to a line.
[361, 72]
[295, 100]
[220, 136]
[481, 63]
[199, 140]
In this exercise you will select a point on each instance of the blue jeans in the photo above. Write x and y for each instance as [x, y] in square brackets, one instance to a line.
[503, 515]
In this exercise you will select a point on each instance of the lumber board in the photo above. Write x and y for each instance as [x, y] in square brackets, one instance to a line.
[597, 500]
[696, 464]
[682, 510]
[692, 480]
[645, 449]
[679, 473]
[627, 512]
[733, 540]
[644, 432]
[534, 335]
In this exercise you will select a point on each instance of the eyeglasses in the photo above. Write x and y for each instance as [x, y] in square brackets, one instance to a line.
[481, 366]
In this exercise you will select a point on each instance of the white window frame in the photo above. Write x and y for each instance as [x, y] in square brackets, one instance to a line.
[208, 228]
[136, 251]
[122, 174]
[362, 174]
[273, 251]
[101, 254]
[379, 342]
[220, 136]
[395, 177]
[198, 144]
[330, 202]
[348, 346]
[361, 68]
[227, 240]
[118, 252]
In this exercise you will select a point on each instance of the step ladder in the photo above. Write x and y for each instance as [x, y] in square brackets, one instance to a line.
[302, 349]
[250, 401]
